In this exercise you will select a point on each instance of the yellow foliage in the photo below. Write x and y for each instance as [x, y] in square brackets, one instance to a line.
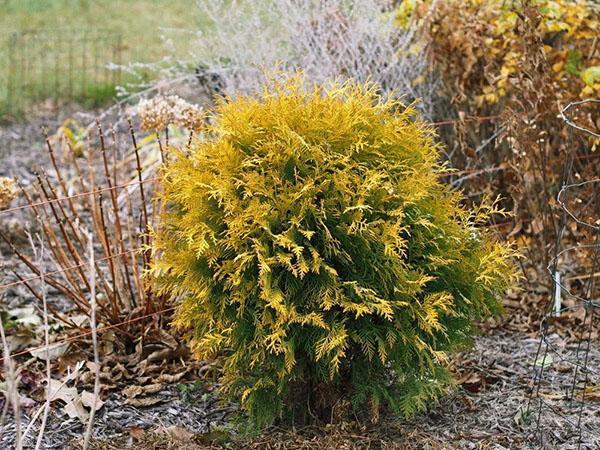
[479, 43]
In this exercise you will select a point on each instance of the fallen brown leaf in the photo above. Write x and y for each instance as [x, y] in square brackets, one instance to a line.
[143, 402]
[137, 433]
[75, 409]
[87, 399]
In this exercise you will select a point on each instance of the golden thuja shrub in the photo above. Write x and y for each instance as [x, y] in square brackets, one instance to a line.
[308, 240]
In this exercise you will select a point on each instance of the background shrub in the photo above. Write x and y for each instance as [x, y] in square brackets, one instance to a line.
[238, 41]
[478, 45]
[309, 241]
[506, 70]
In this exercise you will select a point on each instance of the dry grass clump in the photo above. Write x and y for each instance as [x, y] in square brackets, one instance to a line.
[159, 112]
[8, 191]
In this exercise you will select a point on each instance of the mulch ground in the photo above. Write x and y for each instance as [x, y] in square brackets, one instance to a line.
[488, 410]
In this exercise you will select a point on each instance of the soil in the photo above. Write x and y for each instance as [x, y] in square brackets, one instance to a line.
[488, 410]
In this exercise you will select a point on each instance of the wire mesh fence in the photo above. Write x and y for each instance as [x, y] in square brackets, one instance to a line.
[62, 65]
[566, 387]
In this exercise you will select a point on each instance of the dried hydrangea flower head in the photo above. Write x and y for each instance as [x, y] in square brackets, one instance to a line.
[8, 191]
[159, 112]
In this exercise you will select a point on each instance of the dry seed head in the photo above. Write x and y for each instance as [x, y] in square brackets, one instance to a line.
[159, 112]
[8, 191]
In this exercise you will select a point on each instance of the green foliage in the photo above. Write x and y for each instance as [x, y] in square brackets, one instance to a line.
[193, 392]
[98, 94]
[309, 241]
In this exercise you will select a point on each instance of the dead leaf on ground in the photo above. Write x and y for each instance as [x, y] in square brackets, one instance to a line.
[108, 342]
[471, 381]
[51, 352]
[144, 402]
[75, 409]
[58, 390]
[176, 432]
[165, 338]
[160, 355]
[79, 319]
[168, 378]
[69, 360]
[87, 399]
[153, 388]
[92, 366]
[132, 391]
[137, 433]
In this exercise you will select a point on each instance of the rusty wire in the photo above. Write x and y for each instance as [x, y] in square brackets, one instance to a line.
[79, 195]
[140, 183]
[584, 298]
[466, 173]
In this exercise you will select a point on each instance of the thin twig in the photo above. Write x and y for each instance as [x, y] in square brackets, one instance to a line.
[47, 342]
[88, 432]
[12, 383]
